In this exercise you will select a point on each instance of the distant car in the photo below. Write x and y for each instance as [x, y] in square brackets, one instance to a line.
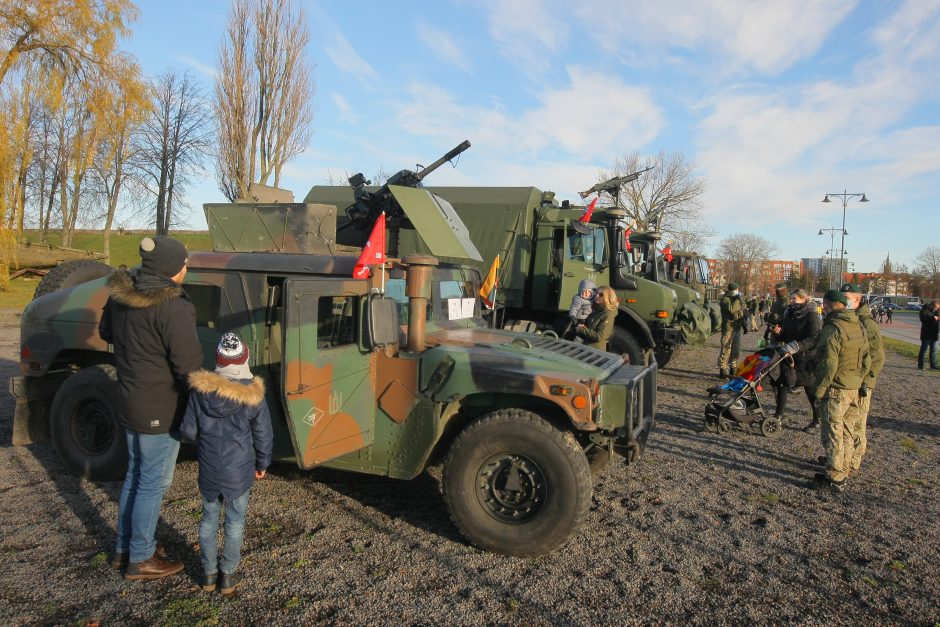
[891, 306]
[912, 307]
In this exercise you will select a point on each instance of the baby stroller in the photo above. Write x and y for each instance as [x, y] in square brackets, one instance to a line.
[737, 401]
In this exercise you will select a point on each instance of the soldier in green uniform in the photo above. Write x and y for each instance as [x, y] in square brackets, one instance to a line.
[732, 321]
[876, 353]
[775, 316]
[842, 362]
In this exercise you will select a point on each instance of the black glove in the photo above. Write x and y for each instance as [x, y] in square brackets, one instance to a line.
[863, 391]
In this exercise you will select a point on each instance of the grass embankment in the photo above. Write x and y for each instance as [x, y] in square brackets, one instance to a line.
[905, 349]
[124, 251]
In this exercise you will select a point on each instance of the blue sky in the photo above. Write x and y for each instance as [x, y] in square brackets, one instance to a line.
[777, 103]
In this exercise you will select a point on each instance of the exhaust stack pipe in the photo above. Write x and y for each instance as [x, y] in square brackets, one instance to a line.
[418, 289]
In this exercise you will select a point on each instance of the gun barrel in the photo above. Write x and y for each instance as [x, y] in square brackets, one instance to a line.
[447, 157]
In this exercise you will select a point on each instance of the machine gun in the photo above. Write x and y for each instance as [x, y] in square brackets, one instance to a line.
[369, 204]
[612, 186]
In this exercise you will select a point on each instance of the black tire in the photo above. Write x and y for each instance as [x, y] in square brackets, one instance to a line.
[625, 344]
[70, 274]
[549, 468]
[85, 430]
[664, 355]
[769, 426]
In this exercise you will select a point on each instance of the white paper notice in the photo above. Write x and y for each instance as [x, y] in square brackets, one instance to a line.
[454, 311]
[468, 305]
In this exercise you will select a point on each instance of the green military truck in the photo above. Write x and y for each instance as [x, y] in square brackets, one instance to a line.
[691, 269]
[385, 376]
[545, 252]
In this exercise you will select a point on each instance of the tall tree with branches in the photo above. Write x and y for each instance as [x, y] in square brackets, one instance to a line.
[668, 197]
[174, 142]
[743, 256]
[264, 94]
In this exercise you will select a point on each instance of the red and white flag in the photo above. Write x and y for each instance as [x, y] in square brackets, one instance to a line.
[586, 216]
[373, 253]
[626, 236]
[667, 251]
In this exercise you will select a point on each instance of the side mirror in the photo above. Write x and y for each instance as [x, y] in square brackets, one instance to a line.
[382, 324]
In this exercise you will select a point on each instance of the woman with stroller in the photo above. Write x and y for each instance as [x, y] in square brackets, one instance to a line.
[800, 326]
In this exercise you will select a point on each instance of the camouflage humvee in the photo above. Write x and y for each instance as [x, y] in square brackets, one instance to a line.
[385, 376]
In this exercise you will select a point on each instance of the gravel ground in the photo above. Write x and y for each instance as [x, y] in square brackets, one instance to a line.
[707, 528]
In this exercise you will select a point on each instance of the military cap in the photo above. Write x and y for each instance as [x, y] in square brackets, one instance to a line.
[835, 296]
[852, 288]
[780, 286]
[732, 286]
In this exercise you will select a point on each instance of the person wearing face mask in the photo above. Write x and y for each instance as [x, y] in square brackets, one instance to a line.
[775, 316]
[732, 322]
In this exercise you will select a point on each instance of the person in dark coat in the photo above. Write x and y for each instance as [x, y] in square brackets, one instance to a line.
[151, 324]
[929, 330]
[229, 420]
[801, 326]
[599, 326]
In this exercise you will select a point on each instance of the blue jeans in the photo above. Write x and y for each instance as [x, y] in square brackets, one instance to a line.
[235, 511]
[151, 460]
[924, 345]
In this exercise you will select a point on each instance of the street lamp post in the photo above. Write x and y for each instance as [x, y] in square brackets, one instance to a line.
[832, 248]
[845, 201]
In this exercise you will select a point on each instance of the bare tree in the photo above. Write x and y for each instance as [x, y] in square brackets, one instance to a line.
[264, 91]
[743, 256]
[667, 198]
[174, 142]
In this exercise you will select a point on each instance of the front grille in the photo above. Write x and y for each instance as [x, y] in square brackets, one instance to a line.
[582, 353]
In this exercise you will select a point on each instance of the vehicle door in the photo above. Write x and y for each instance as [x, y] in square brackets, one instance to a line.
[219, 299]
[584, 256]
[328, 391]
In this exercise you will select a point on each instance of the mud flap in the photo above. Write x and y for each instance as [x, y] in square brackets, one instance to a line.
[33, 397]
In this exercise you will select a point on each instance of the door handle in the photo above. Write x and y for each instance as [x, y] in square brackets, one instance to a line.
[569, 273]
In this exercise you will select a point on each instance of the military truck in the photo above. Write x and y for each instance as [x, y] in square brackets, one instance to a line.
[691, 269]
[386, 375]
[692, 312]
[545, 251]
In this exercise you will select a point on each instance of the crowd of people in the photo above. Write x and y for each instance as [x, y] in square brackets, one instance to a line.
[835, 359]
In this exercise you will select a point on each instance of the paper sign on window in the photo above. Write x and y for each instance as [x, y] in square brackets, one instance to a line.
[467, 306]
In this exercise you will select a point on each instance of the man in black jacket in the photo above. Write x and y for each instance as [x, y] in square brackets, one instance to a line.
[929, 331]
[152, 325]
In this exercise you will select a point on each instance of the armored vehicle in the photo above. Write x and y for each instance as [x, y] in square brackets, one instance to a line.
[691, 269]
[545, 251]
[386, 375]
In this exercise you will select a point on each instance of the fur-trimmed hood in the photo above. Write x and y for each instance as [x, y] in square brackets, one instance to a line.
[139, 290]
[247, 393]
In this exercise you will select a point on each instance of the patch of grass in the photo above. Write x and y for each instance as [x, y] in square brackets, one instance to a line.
[195, 513]
[910, 445]
[916, 481]
[192, 611]
[273, 527]
[897, 565]
[292, 603]
[870, 581]
[299, 563]
[905, 349]
[379, 573]
[770, 498]
[99, 559]
[851, 533]
[512, 603]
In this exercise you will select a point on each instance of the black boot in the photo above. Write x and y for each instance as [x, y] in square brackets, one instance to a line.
[722, 373]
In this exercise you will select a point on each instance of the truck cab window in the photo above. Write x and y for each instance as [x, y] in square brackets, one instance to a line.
[589, 247]
[336, 321]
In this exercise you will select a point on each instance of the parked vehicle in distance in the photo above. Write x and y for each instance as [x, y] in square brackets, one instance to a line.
[913, 307]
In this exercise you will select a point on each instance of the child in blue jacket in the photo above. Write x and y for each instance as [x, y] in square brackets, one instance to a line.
[226, 415]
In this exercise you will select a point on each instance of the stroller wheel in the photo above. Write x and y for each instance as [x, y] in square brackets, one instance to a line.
[769, 426]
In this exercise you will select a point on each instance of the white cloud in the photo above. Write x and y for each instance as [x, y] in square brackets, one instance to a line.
[527, 32]
[345, 109]
[442, 44]
[765, 36]
[339, 50]
[199, 66]
[595, 117]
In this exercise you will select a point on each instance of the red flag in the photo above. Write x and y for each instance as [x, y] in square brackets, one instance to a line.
[586, 216]
[373, 253]
[626, 237]
[667, 252]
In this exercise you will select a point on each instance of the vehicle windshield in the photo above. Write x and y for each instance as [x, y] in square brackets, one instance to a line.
[454, 294]
[589, 247]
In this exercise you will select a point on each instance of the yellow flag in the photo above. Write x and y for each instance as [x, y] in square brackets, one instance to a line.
[490, 284]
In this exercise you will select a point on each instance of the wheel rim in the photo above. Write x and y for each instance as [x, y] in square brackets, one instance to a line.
[511, 487]
[769, 426]
[92, 427]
